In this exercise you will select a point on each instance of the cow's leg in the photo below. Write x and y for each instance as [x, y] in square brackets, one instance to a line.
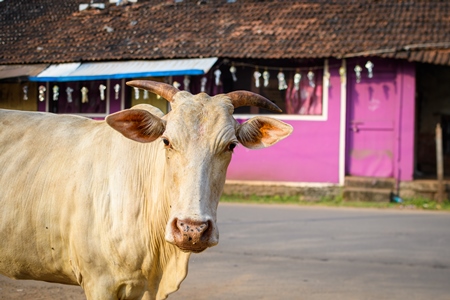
[98, 290]
[93, 295]
[98, 294]
[128, 290]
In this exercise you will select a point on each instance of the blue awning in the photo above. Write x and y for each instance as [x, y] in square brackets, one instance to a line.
[125, 69]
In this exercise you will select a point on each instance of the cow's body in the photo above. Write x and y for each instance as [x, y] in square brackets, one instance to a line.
[82, 204]
[68, 226]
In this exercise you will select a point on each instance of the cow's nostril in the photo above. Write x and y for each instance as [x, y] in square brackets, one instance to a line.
[191, 235]
[191, 231]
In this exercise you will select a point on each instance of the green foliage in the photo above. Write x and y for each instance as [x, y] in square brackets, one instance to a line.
[424, 203]
[338, 201]
[261, 199]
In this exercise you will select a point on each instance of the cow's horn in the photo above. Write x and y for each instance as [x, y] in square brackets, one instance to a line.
[246, 98]
[159, 88]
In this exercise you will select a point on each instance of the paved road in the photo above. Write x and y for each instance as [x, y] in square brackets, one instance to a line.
[289, 252]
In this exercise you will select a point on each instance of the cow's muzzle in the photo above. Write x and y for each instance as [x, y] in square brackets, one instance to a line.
[192, 236]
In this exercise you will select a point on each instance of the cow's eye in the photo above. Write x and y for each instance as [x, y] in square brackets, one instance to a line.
[166, 142]
[231, 146]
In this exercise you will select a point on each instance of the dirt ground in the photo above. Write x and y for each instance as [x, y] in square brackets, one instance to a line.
[30, 289]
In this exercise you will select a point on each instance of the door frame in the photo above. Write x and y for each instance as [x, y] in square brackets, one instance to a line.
[404, 112]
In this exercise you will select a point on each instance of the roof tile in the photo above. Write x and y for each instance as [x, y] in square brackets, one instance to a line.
[54, 32]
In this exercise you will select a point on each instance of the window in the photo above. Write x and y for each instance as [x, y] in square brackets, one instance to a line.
[299, 91]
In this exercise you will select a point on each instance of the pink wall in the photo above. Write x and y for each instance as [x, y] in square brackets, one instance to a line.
[310, 154]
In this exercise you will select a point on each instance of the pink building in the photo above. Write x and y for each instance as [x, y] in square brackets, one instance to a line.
[366, 128]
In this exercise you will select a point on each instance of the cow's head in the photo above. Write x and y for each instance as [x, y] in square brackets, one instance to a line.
[198, 135]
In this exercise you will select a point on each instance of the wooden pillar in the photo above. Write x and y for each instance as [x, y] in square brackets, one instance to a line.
[439, 164]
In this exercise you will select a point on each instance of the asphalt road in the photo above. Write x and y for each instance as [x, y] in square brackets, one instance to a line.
[289, 252]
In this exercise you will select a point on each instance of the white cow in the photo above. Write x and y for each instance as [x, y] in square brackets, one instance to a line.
[117, 206]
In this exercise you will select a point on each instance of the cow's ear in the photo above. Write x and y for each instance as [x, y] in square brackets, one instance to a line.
[137, 124]
[261, 132]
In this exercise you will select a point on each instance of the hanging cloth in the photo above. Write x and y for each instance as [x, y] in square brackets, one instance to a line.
[293, 103]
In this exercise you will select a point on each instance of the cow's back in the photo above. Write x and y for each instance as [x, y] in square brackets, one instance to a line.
[40, 159]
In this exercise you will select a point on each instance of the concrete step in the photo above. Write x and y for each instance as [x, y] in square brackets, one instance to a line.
[423, 185]
[370, 182]
[366, 194]
[423, 188]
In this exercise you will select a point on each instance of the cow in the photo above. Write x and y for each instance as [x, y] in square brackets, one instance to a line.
[117, 206]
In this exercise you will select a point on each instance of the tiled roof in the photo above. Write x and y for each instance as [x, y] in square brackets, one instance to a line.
[55, 31]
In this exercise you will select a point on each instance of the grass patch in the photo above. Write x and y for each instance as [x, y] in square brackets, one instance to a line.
[417, 203]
